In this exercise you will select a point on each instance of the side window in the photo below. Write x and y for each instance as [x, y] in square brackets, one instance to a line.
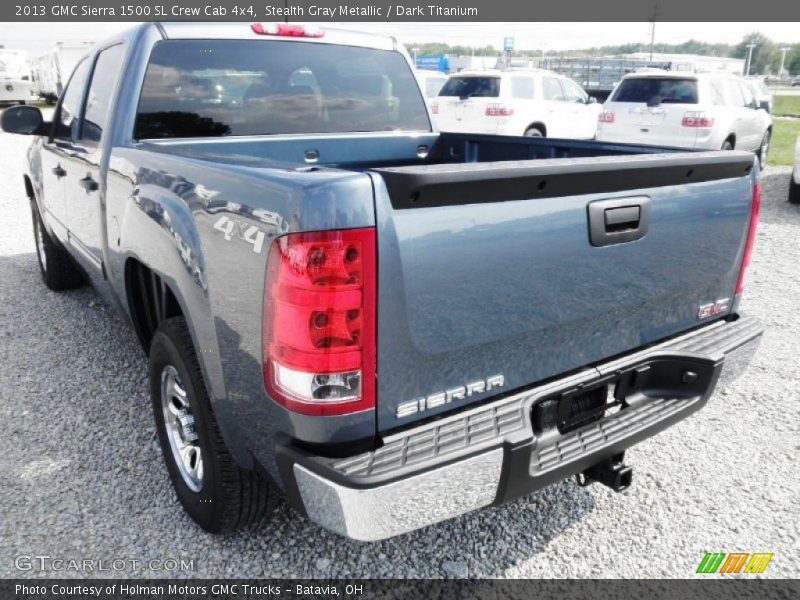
[552, 89]
[717, 92]
[734, 93]
[68, 111]
[104, 78]
[749, 100]
[572, 92]
[522, 87]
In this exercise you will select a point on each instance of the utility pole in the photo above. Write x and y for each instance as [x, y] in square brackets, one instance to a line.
[749, 57]
[783, 59]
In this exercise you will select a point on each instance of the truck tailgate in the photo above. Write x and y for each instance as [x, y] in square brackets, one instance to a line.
[510, 273]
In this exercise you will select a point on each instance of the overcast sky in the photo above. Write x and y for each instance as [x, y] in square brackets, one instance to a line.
[37, 37]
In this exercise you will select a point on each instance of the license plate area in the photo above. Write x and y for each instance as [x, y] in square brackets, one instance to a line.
[667, 377]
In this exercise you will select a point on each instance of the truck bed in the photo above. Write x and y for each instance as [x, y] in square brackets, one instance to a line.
[487, 264]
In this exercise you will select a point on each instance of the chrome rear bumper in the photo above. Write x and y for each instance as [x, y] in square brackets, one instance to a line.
[493, 453]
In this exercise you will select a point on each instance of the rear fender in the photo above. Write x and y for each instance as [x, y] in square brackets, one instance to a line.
[158, 230]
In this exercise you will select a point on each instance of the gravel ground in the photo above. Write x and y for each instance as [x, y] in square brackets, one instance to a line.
[81, 475]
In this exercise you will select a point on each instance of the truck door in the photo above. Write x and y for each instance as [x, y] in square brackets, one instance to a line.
[54, 151]
[85, 186]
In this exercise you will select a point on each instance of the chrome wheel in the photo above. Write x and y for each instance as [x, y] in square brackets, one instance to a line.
[40, 243]
[180, 427]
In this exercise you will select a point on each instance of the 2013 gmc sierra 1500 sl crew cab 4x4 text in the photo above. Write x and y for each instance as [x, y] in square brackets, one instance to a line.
[389, 325]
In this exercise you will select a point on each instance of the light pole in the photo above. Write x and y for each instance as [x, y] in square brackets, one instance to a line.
[783, 59]
[653, 30]
[749, 56]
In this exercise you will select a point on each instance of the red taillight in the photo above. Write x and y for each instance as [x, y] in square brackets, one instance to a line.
[498, 110]
[319, 322]
[697, 119]
[286, 30]
[435, 108]
[606, 117]
[751, 237]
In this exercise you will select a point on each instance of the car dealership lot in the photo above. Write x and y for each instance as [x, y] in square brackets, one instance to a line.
[81, 476]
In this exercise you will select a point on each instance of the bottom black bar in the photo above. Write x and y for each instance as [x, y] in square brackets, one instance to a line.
[368, 589]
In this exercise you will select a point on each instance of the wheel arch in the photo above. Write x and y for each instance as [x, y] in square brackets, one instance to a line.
[538, 125]
[150, 298]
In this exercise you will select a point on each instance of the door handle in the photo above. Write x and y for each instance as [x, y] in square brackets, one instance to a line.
[88, 184]
[58, 171]
[618, 220]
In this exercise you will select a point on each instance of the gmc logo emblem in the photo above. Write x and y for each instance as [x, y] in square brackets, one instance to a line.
[715, 308]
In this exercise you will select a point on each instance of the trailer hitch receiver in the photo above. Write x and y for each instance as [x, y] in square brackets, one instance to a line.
[611, 472]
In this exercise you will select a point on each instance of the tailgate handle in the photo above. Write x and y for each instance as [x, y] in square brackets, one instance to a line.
[623, 218]
[619, 220]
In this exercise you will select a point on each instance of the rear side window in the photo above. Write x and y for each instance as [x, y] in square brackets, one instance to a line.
[210, 88]
[472, 87]
[657, 90]
[104, 78]
[717, 92]
[522, 87]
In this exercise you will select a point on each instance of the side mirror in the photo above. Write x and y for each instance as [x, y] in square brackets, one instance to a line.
[764, 105]
[591, 100]
[25, 120]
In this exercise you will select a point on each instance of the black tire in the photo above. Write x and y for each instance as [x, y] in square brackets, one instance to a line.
[57, 269]
[763, 150]
[229, 497]
[794, 191]
[727, 145]
[533, 132]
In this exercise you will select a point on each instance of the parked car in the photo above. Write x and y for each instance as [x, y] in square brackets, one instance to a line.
[703, 110]
[763, 95]
[527, 102]
[794, 183]
[50, 70]
[795, 81]
[390, 325]
[15, 76]
[430, 82]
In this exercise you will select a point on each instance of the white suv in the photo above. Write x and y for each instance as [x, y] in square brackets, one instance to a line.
[703, 110]
[516, 102]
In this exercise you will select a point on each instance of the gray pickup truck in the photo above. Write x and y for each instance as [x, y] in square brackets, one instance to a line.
[388, 325]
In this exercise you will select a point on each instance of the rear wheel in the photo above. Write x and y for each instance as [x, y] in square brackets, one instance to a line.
[217, 494]
[763, 151]
[533, 132]
[57, 269]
